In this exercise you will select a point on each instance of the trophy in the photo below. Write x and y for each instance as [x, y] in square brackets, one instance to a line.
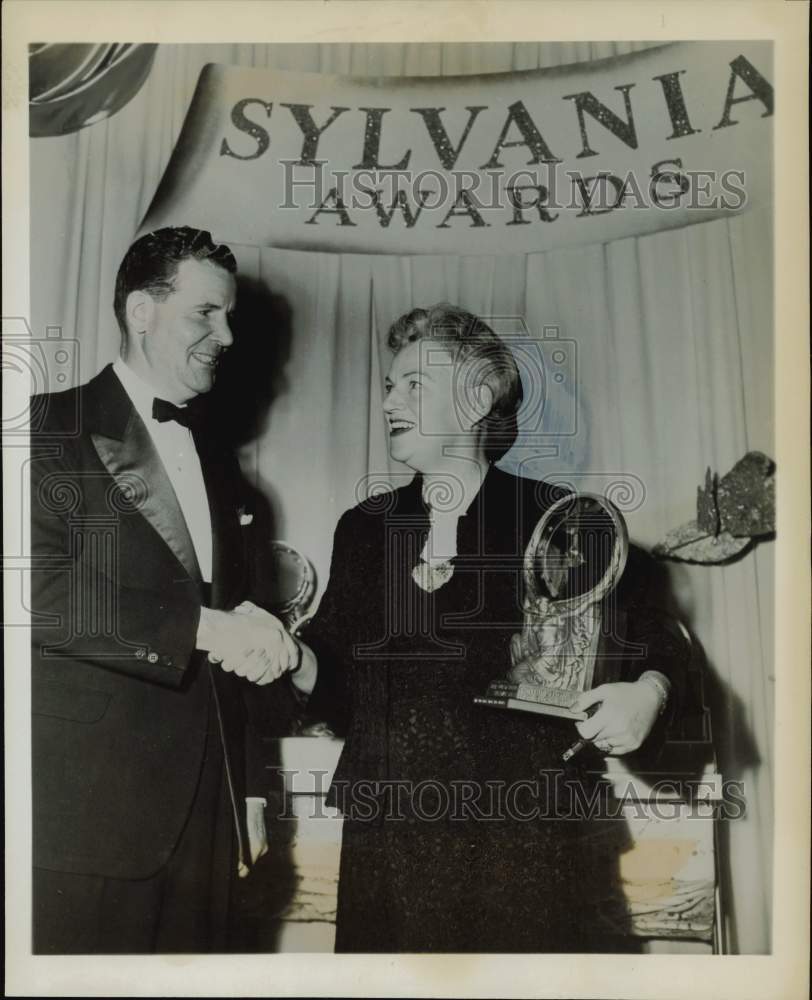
[574, 559]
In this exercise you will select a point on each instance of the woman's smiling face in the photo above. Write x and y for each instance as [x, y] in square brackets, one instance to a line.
[421, 405]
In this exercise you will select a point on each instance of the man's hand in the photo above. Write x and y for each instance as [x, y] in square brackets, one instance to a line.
[249, 642]
[624, 719]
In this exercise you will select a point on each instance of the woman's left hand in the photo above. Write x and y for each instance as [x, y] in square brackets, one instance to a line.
[625, 718]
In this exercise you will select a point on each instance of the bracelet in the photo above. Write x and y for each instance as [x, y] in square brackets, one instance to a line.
[298, 667]
[660, 684]
[295, 634]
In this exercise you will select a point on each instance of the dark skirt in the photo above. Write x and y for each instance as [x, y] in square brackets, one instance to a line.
[532, 886]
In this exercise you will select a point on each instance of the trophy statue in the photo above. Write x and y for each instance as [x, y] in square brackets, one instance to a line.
[574, 559]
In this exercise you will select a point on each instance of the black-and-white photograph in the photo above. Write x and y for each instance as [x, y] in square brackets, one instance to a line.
[399, 477]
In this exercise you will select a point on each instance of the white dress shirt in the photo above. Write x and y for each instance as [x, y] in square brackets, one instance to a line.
[176, 449]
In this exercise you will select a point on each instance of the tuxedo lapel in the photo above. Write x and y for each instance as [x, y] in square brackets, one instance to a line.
[126, 450]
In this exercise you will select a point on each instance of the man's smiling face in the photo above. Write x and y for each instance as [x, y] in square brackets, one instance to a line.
[188, 330]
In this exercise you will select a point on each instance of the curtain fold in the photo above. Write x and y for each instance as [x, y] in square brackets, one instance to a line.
[666, 343]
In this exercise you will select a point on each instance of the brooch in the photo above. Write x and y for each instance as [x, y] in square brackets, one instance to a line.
[432, 576]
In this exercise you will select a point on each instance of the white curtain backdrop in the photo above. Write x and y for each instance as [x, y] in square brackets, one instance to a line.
[673, 335]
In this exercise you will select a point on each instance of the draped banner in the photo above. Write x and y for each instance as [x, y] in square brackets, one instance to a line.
[520, 161]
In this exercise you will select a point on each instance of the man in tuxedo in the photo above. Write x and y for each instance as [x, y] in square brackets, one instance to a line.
[140, 540]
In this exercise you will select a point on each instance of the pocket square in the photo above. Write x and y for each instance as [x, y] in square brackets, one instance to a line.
[245, 519]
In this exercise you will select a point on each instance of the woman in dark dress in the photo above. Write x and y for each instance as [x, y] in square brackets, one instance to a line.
[463, 830]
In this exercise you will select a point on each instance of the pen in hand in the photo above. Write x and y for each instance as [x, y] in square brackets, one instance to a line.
[576, 747]
[582, 742]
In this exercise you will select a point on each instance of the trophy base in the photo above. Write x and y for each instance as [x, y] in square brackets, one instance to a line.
[538, 698]
[531, 706]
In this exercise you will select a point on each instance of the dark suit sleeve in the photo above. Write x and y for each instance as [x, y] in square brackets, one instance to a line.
[81, 610]
[327, 633]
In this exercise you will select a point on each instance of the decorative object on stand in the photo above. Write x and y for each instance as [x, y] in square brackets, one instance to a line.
[574, 559]
[288, 588]
[291, 584]
[732, 514]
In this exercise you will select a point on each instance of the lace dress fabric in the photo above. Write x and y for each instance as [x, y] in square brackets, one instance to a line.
[436, 855]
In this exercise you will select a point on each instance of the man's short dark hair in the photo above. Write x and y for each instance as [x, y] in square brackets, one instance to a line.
[151, 263]
[467, 338]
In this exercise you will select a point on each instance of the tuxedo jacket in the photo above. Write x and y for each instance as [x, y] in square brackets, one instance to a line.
[122, 702]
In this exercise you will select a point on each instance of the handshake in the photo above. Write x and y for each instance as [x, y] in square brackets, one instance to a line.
[248, 641]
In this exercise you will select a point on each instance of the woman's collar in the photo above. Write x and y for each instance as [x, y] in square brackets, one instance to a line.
[449, 494]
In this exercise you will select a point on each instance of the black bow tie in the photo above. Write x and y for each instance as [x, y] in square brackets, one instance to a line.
[187, 416]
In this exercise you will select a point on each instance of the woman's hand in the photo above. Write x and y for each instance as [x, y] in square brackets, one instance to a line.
[625, 718]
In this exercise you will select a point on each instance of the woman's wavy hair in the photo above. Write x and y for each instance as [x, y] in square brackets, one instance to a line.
[488, 361]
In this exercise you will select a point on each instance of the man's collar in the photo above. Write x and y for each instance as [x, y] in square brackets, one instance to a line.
[141, 393]
[106, 407]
